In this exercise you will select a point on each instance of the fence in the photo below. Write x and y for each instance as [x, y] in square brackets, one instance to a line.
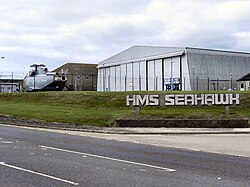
[125, 83]
[11, 82]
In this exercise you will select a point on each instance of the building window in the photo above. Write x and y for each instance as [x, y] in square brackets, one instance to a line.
[242, 85]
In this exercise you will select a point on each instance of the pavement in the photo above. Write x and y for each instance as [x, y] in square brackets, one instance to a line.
[118, 130]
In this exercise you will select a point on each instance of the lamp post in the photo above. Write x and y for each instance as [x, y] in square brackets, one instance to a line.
[231, 81]
[193, 78]
[171, 79]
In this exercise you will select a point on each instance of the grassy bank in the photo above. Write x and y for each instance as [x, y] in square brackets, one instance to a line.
[102, 108]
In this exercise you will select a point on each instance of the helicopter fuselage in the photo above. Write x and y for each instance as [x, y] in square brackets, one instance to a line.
[42, 80]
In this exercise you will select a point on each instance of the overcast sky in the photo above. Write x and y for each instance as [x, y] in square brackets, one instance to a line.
[54, 32]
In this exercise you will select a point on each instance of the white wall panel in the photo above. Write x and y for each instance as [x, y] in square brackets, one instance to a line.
[123, 77]
[118, 78]
[107, 79]
[100, 80]
[112, 79]
[136, 76]
[142, 77]
[158, 74]
[151, 75]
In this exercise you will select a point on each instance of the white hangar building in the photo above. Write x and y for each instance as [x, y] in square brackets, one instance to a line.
[172, 68]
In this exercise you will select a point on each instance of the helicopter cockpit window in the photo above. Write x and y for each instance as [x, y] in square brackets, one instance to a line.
[32, 73]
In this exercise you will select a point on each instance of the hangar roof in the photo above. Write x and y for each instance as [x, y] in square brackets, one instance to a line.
[78, 68]
[137, 52]
[142, 53]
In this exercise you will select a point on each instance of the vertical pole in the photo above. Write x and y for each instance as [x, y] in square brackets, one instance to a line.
[231, 80]
[231, 83]
[140, 82]
[156, 83]
[125, 82]
[226, 109]
[181, 84]
[193, 79]
[184, 79]
[131, 84]
[146, 75]
[208, 83]
[162, 74]
[217, 83]
[197, 83]
[12, 83]
[109, 82]
[171, 83]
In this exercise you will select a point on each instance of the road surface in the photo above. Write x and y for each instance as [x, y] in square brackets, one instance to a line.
[31, 157]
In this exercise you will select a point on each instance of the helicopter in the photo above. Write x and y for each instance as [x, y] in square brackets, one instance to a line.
[40, 79]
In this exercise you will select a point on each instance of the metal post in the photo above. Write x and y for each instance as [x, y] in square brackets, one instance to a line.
[184, 79]
[217, 83]
[208, 83]
[171, 80]
[231, 81]
[137, 110]
[193, 78]
[12, 82]
[109, 82]
[197, 83]
[125, 83]
[156, 83]
[226, 109]
[140, 82]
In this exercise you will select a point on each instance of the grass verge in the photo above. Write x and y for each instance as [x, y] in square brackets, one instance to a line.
[102, 108]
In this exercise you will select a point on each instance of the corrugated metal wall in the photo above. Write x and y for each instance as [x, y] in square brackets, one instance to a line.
[216, 70]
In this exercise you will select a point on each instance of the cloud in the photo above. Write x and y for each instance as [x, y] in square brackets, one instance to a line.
[57, 31]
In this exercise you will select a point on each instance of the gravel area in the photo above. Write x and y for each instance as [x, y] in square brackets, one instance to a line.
[10, 120]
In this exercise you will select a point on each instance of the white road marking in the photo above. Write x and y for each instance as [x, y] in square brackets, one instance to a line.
[112, 159]
[7, 142]
[37, 173]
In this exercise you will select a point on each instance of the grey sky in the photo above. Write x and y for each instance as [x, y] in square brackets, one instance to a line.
[54, 32]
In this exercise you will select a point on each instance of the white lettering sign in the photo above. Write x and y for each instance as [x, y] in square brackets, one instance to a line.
[183, 99]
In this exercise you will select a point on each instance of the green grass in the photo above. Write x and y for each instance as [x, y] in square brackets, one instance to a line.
[102, 108]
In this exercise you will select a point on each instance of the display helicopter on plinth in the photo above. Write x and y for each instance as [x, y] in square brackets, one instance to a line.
[40, 79]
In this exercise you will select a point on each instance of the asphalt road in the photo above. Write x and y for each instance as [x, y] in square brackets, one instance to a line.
[38, 158]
